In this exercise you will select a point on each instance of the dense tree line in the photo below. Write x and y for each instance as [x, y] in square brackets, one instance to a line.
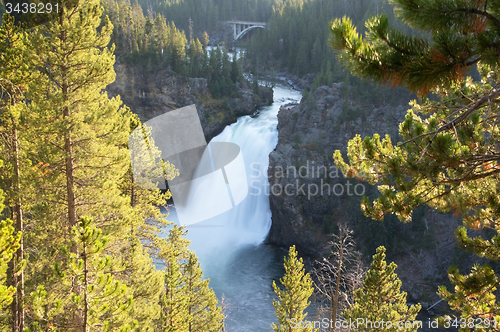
[204, 15]
[296, 39]
[79, 234]
[150, 41]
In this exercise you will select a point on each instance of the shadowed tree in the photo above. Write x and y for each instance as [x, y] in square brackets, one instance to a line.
[337, 277]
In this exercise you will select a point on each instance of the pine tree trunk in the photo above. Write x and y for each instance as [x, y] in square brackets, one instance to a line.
[68, 146]
[69, 167]
[18, 279]
[70, 181]
[132, 190]
[190, 326]
[85, 288]
[12, 266]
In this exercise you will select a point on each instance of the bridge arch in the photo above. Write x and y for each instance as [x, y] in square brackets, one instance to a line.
[240, 28]
[242, 33]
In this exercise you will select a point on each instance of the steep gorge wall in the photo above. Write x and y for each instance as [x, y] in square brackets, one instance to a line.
[309, 133]
[151, 93]
[309, 195]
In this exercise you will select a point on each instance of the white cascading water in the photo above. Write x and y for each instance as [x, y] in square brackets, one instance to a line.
[229, 246]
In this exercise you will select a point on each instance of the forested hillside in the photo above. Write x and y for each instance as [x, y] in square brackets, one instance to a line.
[296, 38]
[84, 247]
[203, 15]
[84, 235]
[155, 43]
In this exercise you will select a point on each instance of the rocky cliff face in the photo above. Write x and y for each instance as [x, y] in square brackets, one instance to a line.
[302, 162]
[309, 195]
[151, 93]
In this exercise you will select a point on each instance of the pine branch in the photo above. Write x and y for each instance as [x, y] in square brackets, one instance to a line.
[495, 92]
[481, 13]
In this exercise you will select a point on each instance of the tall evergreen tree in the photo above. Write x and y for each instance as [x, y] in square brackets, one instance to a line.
[449, 156]
[96, 296]
[293, 299]
[174, 301]
[380, 300]
[81, 139]
[9, 244]
[205, 40]
[80, 129]
[201, 300]
[188, 303]
[14, 130]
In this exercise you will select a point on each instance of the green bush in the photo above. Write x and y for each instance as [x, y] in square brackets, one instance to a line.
[297, 138]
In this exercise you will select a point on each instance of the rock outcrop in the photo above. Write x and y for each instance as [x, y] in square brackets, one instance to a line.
[151, 93]
[302, 162]
[309, 195]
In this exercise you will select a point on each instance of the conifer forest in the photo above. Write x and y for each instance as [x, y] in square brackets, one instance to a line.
[249, 165]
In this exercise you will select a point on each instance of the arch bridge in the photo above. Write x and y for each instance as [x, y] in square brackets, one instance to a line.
[240, 28]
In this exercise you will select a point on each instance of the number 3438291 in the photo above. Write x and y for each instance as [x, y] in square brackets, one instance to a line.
[26, 7]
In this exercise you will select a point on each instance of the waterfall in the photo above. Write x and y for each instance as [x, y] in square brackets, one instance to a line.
[229, 245]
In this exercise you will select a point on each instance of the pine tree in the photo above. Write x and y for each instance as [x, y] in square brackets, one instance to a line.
[80, 137]
[96, 296]
[205, 40]
[201, 299]
[380, 300]
[449, 155]
[9, 245]
[293, 299]
[236, 75]
[188, 303]
[463, 34]
[82, 133]
[175, 315]
[337, 277]
[14, 78]
[145, 284]
[81, 142]
[176, 47]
